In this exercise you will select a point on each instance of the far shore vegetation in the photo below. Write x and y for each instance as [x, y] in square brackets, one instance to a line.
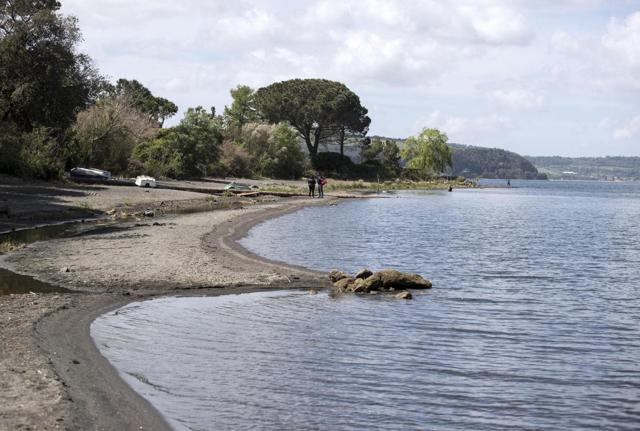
[57, 112]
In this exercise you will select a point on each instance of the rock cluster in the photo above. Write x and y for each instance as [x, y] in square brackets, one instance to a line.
[387, 280]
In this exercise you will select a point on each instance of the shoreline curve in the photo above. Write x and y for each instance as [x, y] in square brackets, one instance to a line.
[97, 396]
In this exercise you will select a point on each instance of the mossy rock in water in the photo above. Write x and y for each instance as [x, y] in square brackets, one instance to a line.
[372, 282]
[388, 280]
[402, 280]
[344, 283]
[336, 275]
[364, 273]
[358, 286]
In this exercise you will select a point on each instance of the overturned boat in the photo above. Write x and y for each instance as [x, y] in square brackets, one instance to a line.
[89, 173]
[239, 187]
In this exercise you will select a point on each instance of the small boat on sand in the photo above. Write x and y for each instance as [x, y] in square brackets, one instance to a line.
[89, 173]
[145, 181]
[238, 187]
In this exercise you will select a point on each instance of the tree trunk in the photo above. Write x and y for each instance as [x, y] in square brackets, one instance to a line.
[307, 140]
[316, 141]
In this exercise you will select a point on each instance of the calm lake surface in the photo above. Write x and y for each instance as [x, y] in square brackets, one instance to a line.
[533, 321]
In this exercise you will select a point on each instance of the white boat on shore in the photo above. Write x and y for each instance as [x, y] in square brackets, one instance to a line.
[145, 181]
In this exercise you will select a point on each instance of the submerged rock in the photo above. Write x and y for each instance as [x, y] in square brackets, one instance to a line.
[404, 295]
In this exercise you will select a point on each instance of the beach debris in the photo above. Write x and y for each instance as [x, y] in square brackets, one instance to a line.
[64, 269]
[148, 213]
[387, 280]
[313, 292]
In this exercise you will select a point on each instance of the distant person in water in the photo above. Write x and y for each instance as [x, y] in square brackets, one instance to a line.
[508, 182]
[321, 182]
[311, 182]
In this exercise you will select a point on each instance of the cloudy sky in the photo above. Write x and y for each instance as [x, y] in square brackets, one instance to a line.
[539, 77]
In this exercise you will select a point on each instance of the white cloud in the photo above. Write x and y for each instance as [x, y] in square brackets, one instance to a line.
[623, 38]
[498, 24]
[605, 123]
[516, 99]
[464, 129]
[252, 25]
[605, 61]
[628, 130]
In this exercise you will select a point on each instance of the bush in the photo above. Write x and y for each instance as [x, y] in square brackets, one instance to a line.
[190, 149]
[107, 133]
[42, 155]
[283, 159]
[235, 160]
[38, 154]
[271, 150]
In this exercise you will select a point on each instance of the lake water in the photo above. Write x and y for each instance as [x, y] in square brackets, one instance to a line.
[533, 321]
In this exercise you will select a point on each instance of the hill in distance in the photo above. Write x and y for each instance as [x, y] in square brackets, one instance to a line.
[480, 162]
[588, 168]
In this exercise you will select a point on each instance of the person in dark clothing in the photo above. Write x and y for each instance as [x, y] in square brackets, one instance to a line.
[321, 182]
[311, 182]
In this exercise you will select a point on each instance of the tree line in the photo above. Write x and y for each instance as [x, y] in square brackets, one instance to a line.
[57, 111]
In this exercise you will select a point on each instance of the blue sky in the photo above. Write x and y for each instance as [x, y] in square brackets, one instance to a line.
[538, 77]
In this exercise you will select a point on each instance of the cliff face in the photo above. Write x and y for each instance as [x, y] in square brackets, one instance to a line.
[483, 162]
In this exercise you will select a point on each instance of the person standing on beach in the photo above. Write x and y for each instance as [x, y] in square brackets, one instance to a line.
[321, 182]
[311, 182]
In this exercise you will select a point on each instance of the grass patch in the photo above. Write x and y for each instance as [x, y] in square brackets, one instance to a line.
[334, 185]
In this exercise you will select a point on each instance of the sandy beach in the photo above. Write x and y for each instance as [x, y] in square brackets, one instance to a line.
[53, 375]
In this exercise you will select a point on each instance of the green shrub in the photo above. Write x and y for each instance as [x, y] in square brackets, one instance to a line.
[190, 149]
[235, 160]
[283, 158]
[42, 155]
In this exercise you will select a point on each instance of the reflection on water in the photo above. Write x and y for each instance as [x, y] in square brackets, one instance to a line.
[533, 322]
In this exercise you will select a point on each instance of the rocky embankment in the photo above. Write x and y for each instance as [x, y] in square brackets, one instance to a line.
[386, 281]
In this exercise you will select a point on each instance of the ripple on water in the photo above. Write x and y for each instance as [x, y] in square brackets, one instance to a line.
[288, 360]
[533, 322]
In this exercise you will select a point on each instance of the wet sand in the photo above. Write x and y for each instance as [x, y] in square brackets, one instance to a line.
[53, 375]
